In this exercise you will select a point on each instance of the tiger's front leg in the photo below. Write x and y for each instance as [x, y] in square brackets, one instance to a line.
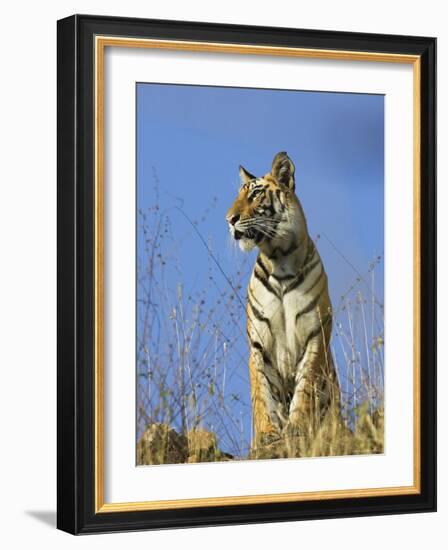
[269, 414]
[307, 402]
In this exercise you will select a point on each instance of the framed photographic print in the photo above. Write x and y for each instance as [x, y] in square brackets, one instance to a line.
[246, 274]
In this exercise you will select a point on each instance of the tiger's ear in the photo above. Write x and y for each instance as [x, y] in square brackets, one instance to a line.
[245, 176]
[283, 170]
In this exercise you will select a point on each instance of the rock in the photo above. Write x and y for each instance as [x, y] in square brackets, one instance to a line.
[203, 447]
[161, 444]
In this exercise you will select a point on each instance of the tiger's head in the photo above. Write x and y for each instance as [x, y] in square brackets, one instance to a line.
[266, 211]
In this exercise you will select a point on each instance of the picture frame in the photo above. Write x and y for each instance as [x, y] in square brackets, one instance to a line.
[82, 239]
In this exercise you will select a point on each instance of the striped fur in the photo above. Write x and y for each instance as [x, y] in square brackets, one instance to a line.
[289, 319]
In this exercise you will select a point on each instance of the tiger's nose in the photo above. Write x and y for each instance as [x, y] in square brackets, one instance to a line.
[233, 219]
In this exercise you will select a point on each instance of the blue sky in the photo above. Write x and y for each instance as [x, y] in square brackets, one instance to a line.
[190, 142]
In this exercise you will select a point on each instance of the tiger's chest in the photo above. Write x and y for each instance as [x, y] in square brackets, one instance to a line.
[282, 331]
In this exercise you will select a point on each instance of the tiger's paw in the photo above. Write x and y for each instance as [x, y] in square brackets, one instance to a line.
[268, 445]
[296, 440]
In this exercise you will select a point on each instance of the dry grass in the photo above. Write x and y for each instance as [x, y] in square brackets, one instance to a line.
[161, 444]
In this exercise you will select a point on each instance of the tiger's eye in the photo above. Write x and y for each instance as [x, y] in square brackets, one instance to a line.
[255, 193]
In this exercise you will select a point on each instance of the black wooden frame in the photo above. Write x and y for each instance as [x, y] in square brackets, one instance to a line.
[75, 475]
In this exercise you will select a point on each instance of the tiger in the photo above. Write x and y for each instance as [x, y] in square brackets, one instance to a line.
[293, 380]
